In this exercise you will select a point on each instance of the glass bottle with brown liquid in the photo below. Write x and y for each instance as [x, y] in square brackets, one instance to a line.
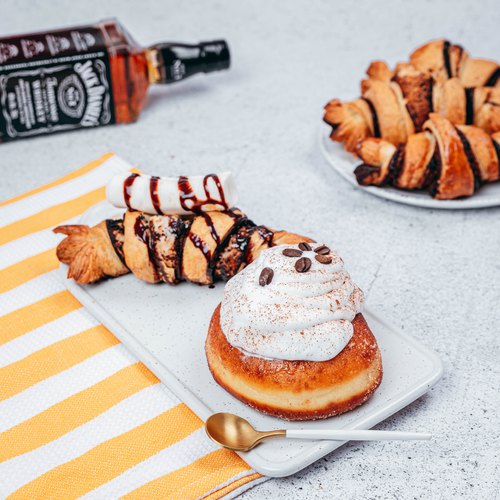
[89, 76]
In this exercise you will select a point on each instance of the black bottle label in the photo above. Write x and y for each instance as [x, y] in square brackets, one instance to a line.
[53, 82]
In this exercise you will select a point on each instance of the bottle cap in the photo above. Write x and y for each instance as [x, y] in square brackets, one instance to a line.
[215, 55]
[178, 61]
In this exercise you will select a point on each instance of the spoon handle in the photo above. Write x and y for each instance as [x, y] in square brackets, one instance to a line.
[355, 435]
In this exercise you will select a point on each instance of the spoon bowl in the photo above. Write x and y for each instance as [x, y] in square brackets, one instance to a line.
[235, 433]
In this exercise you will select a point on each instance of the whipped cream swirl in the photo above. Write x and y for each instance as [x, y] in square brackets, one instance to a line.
[298, 315]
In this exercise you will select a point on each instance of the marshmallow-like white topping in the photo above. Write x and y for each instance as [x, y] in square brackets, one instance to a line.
[172, 195]
[298, 315]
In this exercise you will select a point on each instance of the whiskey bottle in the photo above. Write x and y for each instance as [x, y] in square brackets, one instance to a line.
[89, 76]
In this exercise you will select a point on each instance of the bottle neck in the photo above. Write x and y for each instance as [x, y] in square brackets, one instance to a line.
[172, 62]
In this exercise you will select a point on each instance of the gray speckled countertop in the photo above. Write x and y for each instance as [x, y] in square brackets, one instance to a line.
[435, 274]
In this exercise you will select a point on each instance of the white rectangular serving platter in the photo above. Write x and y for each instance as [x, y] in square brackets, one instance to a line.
[165, 327]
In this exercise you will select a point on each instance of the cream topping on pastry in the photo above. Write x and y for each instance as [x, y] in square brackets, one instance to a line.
[292, 303]
[172, 195]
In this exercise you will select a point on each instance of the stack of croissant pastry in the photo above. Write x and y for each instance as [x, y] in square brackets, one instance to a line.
[450, 161]
[441, 110]
[200, 248]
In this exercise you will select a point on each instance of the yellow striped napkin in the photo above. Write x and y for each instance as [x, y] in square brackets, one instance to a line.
[79, 415]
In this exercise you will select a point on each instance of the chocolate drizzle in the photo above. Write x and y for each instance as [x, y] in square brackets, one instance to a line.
[213, 257]
[127, 189]
[209, 222]
[164, 233]
[376, 127]
[265, 234]
[396, 165]
[430, 94]
[191, 203]
[165, 239]
[497, 150]
[179, 246]
[433, 173]
[200, 244]
[493, 79]
[240, 222]
[231, 256]
[142, 231]
[471, 158]
[115, 233]
[446, 58]
[469, 106]
[153, 191]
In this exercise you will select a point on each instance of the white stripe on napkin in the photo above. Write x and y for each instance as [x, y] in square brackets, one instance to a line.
[124, 416]
[52, 390]
[47, 334]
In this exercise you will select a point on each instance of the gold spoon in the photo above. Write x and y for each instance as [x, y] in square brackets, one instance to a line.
[235, 433]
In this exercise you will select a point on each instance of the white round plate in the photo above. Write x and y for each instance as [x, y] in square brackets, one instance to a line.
[345, 163]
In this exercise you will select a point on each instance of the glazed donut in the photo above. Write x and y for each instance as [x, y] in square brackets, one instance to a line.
[289, 338]
[298, 390]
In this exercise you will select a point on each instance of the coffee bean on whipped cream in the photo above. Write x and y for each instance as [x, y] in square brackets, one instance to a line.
[266, 276]
[322, 250]
[305, 246]
[303, 265]
[292, 252]
[324, 259]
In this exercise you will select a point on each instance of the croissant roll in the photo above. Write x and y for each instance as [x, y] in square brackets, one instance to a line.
[449, 100]
[479, 73]
[406, 166]
[377, 155]
[439, 58]
[378, 70]
[417, 90]
[440, 77]
[136, 246]
[400, 108]
[90, 252]
[456, 176]
[444, 60]
[351, 122]
[484, 152]
[167, 248]
[416, 169]
[496, 143]
[451, 161]
[204, 236]
[394, 121]
[484, 108]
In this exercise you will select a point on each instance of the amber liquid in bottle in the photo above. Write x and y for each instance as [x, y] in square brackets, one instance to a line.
[130, 72]
[89, 76]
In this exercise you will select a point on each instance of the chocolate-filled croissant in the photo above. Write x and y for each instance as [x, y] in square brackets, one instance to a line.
[450, 161]
[171, 248]
[439, 78]
[444, 60]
